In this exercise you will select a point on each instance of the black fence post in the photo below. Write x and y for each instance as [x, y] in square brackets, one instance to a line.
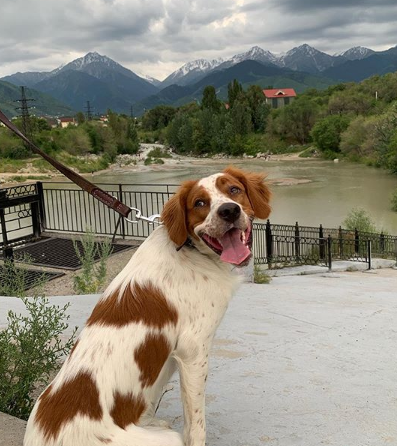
[369, 254]
[34, 207]
[297, 241]
[356, 241]
[321, 242]
[382, 242]
[3, 230]
[340, 238]
[42, 211]
[269, 243]
[329, 245]
[122, 220]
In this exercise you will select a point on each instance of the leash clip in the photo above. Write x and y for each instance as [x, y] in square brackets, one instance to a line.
[138, 216]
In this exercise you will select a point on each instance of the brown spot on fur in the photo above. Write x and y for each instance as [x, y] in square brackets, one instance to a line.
[138, 303]
[180, 215]
[225, 182]
[257, 191]
[174, 214]
[78, 396]
[127, 409]
[150, 356]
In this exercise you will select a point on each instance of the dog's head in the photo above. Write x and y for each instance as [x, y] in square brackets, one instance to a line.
[216, 212]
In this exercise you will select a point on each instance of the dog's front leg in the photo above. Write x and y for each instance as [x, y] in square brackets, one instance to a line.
[193, 369]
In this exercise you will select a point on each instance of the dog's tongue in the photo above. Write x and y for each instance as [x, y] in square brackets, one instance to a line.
[234, 250]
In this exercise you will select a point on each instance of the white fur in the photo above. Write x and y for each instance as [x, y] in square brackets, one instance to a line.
[199, 286]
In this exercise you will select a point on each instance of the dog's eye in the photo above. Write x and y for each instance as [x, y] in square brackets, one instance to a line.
[199, 204]
[234, 190]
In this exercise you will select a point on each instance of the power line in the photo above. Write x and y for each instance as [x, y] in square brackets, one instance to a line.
[88, 111]
[25, 115]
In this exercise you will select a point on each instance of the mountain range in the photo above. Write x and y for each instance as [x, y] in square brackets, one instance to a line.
[107, 84]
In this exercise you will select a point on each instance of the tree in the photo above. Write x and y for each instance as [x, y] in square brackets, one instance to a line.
[258, 107]
[296, 120]
[326, 133]
[158, 117]
[234, 90]
[210, 101]
[80, 118]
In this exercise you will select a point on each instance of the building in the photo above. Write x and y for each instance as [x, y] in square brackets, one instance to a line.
[279, 97]
[65, 121]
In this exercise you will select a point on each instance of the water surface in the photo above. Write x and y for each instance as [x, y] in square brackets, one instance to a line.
[332, 191]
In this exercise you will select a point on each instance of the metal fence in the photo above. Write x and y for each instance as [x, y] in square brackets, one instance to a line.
[69, 209]
[63, 208]
[287, 245]
[20, 214]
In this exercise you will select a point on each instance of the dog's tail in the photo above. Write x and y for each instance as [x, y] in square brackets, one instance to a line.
[146, 436]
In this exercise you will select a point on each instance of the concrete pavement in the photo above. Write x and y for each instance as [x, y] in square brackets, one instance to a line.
[307, 360]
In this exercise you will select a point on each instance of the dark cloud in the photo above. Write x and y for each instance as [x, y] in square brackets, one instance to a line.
[315, 5]
[157, 36]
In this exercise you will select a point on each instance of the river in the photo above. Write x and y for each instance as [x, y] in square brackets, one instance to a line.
[308, 191]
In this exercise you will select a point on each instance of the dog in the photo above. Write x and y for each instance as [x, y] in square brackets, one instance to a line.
[158, 315]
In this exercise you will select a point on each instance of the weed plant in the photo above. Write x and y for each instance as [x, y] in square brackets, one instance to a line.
[92, 276]
[260, 276]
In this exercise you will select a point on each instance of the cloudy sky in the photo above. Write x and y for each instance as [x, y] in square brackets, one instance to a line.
[155, 37]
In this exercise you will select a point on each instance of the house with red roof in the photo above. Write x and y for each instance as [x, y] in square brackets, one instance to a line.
[279, 97]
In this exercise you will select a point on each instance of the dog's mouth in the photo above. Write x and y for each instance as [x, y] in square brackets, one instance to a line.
[233, 247]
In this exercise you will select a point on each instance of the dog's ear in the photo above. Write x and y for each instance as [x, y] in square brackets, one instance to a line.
[174, 214]
[257, 191]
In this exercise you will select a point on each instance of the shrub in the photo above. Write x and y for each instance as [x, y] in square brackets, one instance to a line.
[148, 161]
[158, 153]
[30, 348]
[92, 276]
[31, 345]
[359, 219]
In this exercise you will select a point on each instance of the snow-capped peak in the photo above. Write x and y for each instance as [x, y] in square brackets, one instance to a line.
[255, 53]
[304, 49]
[199, 65]
[355, 53]
[82, 62]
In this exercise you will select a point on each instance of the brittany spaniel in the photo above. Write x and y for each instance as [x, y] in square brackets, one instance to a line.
[158, 315]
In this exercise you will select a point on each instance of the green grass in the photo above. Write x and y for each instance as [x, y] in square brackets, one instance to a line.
[10, 165]
[21, 178]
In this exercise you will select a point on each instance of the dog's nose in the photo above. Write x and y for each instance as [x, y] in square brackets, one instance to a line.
[229, 212]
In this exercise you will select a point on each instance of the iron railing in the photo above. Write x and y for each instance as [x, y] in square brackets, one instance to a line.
[69, 209]
[288, 245]
[63, 207]
[20, 214]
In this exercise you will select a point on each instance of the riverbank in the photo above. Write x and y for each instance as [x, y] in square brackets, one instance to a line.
[141, 162]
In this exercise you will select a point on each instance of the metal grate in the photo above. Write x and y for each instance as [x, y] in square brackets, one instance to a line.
[59, 253]
[32, 277]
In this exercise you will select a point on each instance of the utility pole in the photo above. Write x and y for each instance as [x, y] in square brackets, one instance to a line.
[132, 111]
[24, 108]
[88, 111]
